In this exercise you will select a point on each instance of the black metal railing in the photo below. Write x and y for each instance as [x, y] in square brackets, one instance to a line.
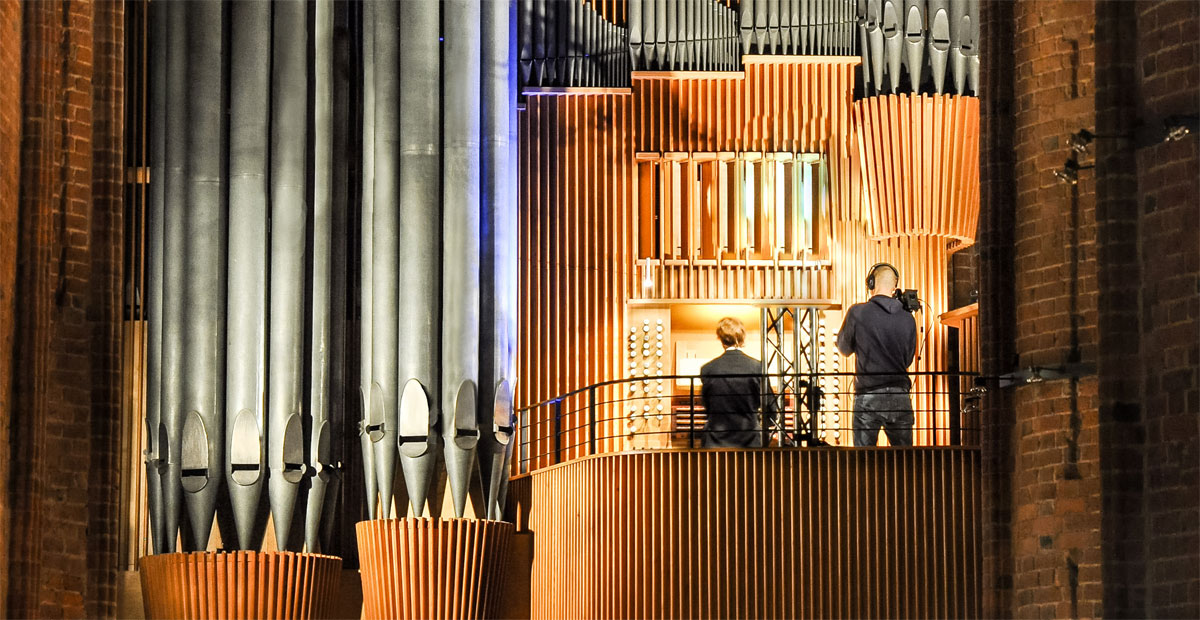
[667, 412]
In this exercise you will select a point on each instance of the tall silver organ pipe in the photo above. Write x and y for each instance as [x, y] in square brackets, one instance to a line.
[365, 257]
[498, 258]
[289, 93]
[156, 447]
[460, 244]
[245, 370]
[385, 250]
[320, 448]
[420, 213]
[171, 429]
[203, 441]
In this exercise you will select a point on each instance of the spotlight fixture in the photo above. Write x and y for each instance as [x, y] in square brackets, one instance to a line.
[1080, 140]
[1069, 173]
[1178, 126]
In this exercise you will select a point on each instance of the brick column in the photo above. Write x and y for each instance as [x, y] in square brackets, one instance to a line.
[1119, 316]
[1168, 66]
[997, 324]
[67, 308]
[104, 312]
[1056, 482]
[10, 166]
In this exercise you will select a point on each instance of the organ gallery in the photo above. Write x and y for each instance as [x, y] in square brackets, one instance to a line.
[598, 308]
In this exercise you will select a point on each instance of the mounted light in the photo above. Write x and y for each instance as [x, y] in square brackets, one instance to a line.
[1179, 127]
[1080, 140]
[1069, 173]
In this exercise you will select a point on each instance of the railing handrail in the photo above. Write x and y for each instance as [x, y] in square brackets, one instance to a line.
[794, 416]
[577, 391]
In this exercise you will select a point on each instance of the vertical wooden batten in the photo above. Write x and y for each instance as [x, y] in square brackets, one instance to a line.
[765, 533]
[432, 568]
[240, 584]
[919, 157]
[902, 187]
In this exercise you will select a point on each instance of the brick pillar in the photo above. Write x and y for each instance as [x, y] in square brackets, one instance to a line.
[10, 165]
[104, 311]
[1056, 482]
[1118, 320]
[1168, 66]
[63, 434]
[997, 324]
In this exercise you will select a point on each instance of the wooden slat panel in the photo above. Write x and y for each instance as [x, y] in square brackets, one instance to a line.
[432, 568]
[573, 325]
[577, 183]
[776, 533]
[920, 157]
[240, 584]
[923, 263]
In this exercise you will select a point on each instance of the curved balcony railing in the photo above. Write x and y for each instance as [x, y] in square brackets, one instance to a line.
[666, 412]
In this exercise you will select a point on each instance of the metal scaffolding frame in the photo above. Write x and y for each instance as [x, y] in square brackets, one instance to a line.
[789, 352]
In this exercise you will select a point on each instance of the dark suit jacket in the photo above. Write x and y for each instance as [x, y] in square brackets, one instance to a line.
[732, 403]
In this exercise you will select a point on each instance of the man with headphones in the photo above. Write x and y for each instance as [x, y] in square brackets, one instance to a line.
[883, 338]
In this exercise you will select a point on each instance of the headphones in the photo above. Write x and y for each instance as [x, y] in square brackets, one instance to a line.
[874, 268]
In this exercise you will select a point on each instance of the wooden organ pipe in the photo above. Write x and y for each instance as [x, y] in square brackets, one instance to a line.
[919, 157]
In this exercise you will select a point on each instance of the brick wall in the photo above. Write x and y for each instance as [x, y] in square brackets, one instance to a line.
[1056, 483]
[1118, 365]
[1093, 483]
[10, 165]
[104, 310]
[63, 439]
[964, 277]
[1168, 67]
[996, 316]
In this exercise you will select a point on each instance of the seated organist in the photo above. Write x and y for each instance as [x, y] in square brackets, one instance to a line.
[732, 392]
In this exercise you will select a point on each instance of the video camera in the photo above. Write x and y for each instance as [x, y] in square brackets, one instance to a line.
[909, 299]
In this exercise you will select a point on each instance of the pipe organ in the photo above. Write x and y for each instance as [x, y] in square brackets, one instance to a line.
[242, 267]
[766, 185]
[401, 270]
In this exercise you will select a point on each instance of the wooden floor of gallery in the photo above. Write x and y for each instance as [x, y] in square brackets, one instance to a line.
[825, 532]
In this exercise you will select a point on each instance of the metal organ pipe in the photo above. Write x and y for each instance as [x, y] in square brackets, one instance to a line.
[175, 201]
[939, 42]
[366, 261]
[203, 448]
[245, 377]
[420, 197]
[460, 245]
[914, 41]
[289, 75]
[155, 450]
[320, 442]
[385, 247]
[498, 260]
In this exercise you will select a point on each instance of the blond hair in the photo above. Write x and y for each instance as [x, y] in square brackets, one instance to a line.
[731, 332]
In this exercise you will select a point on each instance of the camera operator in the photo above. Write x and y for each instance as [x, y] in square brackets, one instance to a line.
[883, 338]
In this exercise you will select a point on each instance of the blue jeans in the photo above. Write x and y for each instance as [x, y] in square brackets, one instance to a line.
[887, 408]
